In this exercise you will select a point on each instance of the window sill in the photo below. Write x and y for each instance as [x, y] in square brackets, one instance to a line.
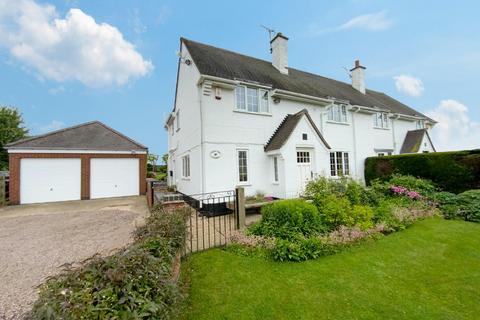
[244, 184]
[255, 113]
[186, 179]
[336, 122]
[380, 128]
[276, 183]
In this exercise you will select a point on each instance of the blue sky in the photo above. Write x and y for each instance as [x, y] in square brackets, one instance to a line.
[423, 53]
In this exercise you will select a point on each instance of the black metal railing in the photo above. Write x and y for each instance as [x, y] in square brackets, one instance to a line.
[212, 220]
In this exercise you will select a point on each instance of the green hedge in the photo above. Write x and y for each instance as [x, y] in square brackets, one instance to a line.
[450, 171]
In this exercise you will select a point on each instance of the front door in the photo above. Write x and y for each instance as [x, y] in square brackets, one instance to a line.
[304, 165]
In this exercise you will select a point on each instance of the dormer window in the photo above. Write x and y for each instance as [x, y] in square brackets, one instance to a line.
[380, 120]
[251, 99]
[338, 113]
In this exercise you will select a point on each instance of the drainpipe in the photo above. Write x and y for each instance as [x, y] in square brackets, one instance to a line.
[354, 142]
[202, 140]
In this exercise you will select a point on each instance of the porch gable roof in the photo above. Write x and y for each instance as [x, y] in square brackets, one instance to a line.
[285, 129]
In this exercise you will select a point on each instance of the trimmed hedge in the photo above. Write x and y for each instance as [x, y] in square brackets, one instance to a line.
[456, 171]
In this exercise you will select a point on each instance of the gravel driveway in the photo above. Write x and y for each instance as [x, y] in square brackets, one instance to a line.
[36, 240]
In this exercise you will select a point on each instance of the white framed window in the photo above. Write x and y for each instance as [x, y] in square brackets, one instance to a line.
[380, 120]
[275, 169]
[303, 157]
[339, 164]
[338, 113]
[177, 119]
[420, 124]
[242, 158]
[381, 154]
[251, 99]
[186, 166]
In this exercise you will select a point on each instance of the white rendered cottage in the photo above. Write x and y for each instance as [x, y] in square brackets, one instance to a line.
[241, 121]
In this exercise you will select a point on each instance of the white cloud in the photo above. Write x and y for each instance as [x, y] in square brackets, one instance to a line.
[409, 85]
[372, 22]
[73, 48]
[52, 126]
[376, 21]
[454, 130]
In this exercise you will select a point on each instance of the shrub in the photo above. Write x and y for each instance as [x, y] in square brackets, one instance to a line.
[451, 171]
[287, 219]
[131, 284]
[448, 203]
[334, 211]
[469, 202]
[422, 186]
[302, 249]
[362, 216]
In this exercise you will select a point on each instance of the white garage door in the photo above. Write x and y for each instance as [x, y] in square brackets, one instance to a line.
[49, 180]
[114, 178]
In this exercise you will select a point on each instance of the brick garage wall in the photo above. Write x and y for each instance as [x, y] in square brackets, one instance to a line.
[14, 163]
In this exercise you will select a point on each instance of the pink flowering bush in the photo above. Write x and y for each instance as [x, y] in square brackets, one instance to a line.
[250, 240]
[399, 190]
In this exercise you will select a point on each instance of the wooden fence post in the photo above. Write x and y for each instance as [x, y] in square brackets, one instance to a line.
[3, 194]
[240, 192]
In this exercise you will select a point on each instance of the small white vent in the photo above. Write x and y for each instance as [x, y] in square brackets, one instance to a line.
[207, 88]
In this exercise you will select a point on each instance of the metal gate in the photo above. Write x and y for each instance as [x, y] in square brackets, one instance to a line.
[213, 218]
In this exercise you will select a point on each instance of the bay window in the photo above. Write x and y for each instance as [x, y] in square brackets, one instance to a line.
[251, 99]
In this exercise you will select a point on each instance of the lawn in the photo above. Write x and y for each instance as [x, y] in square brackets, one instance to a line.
[429, 271]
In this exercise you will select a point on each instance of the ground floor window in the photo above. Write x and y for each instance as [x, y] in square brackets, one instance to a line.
[186, 166]
[275, 169]
[242, 165]
[339, 164]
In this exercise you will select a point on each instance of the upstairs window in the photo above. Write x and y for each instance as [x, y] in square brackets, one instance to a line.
[380, 120]
[420, 124]
[339, 164]
[338, 113]
[251, 99]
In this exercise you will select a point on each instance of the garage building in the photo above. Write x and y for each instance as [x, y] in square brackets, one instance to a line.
[88, 161]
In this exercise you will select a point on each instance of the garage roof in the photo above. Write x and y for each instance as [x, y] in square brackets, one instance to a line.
[87, 136]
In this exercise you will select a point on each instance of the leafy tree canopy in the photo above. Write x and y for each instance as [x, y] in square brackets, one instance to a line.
[11, 129]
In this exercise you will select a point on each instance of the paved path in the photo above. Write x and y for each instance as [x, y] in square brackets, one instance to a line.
[36, 240]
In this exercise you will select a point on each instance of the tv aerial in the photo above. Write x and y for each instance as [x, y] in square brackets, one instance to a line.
[271, 32]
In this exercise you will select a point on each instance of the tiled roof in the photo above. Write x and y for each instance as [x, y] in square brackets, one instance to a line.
[286, 128]
[234, 66]
[87, 136]
[413, 141]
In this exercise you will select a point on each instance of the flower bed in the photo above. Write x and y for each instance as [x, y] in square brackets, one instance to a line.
[137, 282]
[342, 213]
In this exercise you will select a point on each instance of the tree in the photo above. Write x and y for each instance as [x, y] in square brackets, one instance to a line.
[165, 158]
[11, 129]
[152, 159]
